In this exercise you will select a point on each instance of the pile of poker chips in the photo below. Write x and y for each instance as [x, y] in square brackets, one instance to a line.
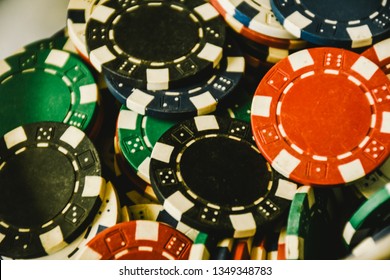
[187, 152]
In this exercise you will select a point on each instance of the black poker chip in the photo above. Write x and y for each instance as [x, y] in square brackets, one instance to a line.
[51, 188]
[209, 174]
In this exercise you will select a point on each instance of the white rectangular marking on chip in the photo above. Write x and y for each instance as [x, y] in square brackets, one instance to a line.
[207, 11]
[366, 68]
[348, 232]
[235, 64]
[102, 13]
[146, 230]
[4, 67]
[308, 74]
[364, 246]
[311, 200]
[288, 161]
[300, 60]
[261, 106]
[162, 152]
[292, 247]
[143, 170]
[211, 53]
[199, 252]
[382, 49]
[345, 155]
[127, 120]
[227, 6]
[73, 136]
[206, 123]
[295, 29]
[320, 158]
[88, 94]
[288, 87]
[93, 186]
[168, 256]
[369, 98]
[14, 137]
[385, 127]
[121, 254]
[244, 225]
[177, 204]
[352, 170]
[205, 103]
[332, 72]
[157, 79]
[354, 80]
[52, 240]
[101, 56]
[286, 189]
[281, 130]
[138, 101]
[361, 36]
[57, 58]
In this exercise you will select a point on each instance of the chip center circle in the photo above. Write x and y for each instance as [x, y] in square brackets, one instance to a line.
[325, 115]
[158, 33]
[224, 171]
[35, 187]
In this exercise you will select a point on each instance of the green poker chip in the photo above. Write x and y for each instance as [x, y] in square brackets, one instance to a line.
[46, 85]
[369, 218]
[137, 135]
[311, 232]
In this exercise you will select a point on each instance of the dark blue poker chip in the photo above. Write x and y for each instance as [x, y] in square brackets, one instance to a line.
[348, 24]
[194, 99]
[155, 45]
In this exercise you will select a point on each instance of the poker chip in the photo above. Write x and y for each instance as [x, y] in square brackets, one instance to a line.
[155, 212]
[310, 232]
[137, 135]
[51, 188]
[371, 217]
[258, 251]
[208, 174]
[282, 244]
[192, 99]
[260, 38]
[64, 90]
[171, 43]
[138, 240]
[203, 246]
[242, 248]
[223, 250]
[355, 25]
[257, 16]
[376, 247]
[79, 11]
[124, 168]
[296, 106]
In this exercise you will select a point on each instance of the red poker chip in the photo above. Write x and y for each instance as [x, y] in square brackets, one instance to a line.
[238, 27]
[322, 116]
[138, 240]
[242, 249]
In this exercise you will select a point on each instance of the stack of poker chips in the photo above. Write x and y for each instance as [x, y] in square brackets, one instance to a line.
[226, 129]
